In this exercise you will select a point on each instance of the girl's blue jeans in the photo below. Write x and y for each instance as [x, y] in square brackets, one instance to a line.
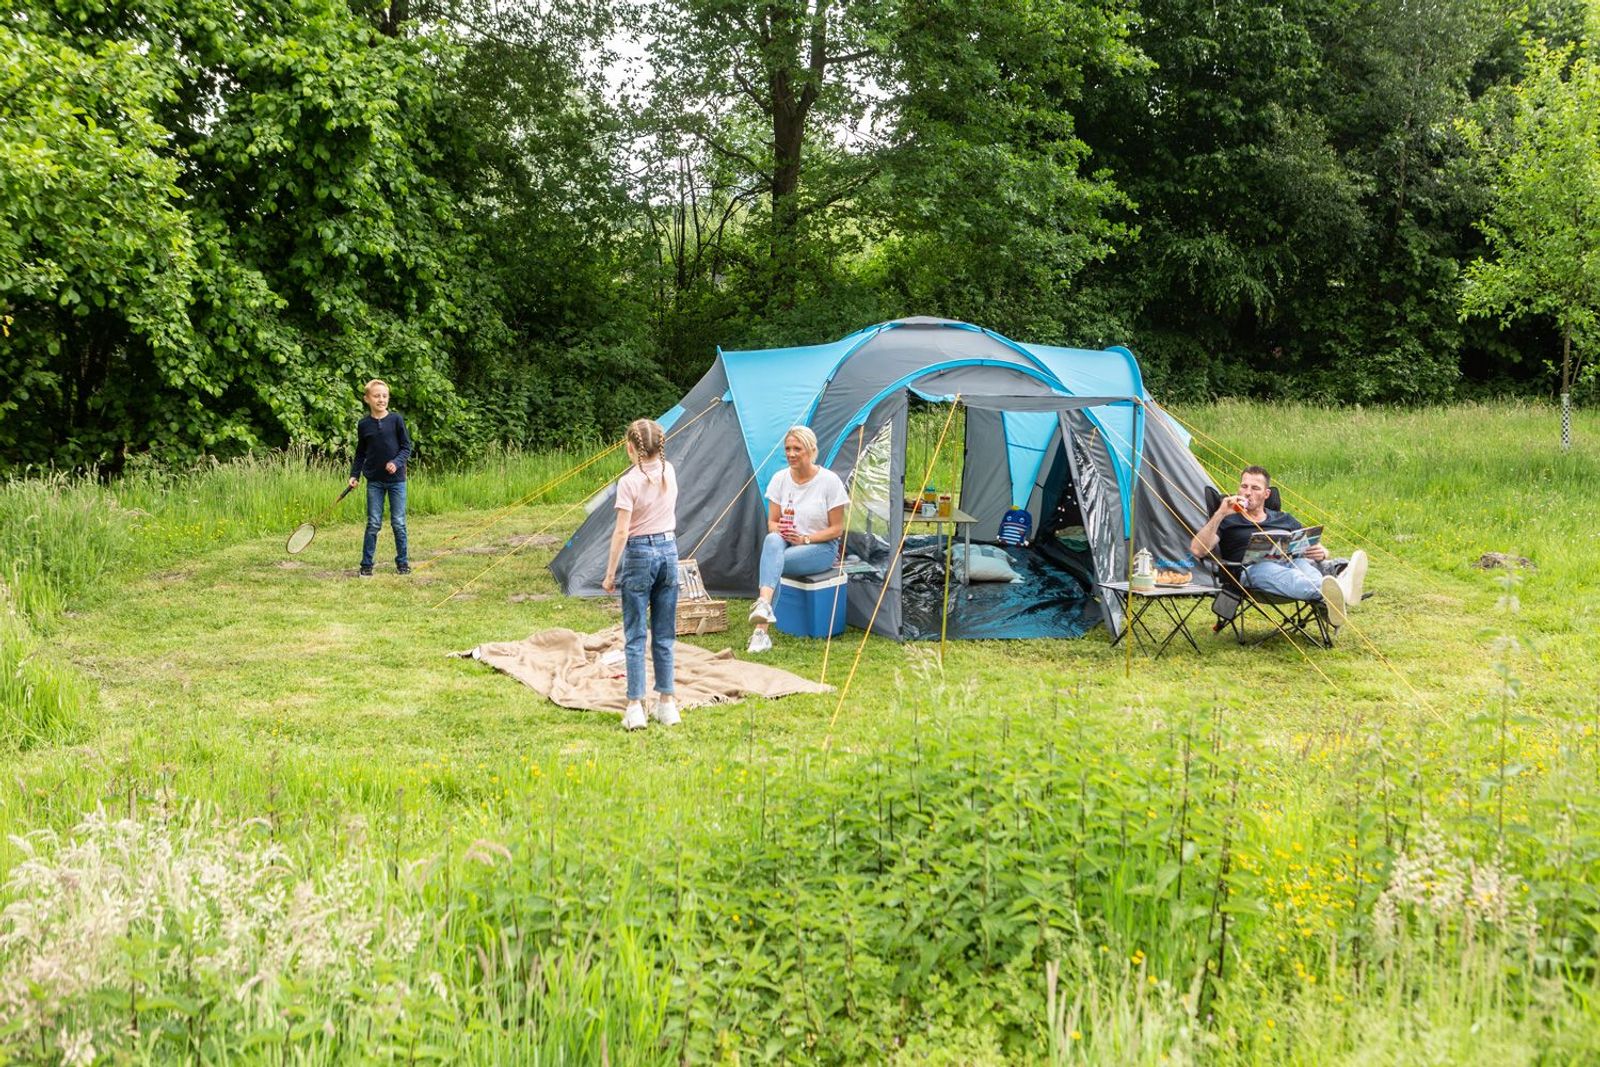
[396, 494]
[779, 559]
[649, 583]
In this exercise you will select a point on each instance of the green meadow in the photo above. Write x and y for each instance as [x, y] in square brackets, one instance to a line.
[254, 811]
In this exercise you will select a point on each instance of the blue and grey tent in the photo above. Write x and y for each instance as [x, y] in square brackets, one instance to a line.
[1068, 433]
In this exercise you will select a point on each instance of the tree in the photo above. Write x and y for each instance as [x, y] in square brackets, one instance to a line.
[768, 87]
[95, 247]
[1543, 226]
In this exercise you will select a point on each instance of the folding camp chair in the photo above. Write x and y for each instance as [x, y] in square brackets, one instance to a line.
[1237, 605]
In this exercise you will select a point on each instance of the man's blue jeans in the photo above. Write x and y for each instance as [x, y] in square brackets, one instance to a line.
[376, 492]
[779, 559]
[1298, 579]
[649, 580]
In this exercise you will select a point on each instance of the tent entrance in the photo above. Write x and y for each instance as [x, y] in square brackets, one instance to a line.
[1044, 589]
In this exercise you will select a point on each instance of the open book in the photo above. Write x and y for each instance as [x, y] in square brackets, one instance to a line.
[1280, 544]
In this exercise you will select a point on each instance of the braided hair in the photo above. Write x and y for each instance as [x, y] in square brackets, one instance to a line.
[649, 442]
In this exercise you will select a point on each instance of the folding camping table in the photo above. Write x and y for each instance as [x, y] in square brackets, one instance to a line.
[957, 518]
[1177, 602]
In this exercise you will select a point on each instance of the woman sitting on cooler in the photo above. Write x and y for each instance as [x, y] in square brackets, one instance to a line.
[805, 519]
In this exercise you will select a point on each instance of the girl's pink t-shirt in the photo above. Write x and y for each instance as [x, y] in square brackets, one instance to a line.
[651, 496]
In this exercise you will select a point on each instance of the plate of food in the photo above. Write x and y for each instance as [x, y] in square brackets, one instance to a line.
[1171, 574]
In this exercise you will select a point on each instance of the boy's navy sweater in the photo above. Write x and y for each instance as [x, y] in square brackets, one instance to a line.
[380, 442]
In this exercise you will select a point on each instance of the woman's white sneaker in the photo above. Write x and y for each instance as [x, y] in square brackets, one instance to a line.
[633, 718]
[666, 712]
[759, 642]
[761, 611]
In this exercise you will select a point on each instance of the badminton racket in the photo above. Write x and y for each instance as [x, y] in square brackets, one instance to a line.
[307, 530]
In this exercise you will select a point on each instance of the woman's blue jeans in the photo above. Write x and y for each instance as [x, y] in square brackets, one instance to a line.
[779, 559]
[649, 582]
[396, 493]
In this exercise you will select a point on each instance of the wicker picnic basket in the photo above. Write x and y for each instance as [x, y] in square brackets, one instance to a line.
[697, 612]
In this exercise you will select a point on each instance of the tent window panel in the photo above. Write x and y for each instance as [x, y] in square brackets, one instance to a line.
[872, 493]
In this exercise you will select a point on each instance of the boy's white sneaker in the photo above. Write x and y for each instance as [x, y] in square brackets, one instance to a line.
[633, 718]
[761, 611]
[666, 712]
[1354, 576]
[1333, 599]
[759, 642]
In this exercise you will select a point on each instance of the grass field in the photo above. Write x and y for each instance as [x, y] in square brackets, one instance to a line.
[254, 812]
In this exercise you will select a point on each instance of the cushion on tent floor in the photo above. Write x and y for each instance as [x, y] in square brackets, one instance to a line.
[1050, 601]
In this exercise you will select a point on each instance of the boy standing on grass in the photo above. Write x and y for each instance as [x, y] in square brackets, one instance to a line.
[382, 448]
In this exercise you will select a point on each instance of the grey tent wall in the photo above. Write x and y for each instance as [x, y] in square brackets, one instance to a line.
[709, 456]
[985, 473]
[1172, 485]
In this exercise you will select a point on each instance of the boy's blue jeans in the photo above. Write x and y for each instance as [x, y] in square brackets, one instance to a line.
[779, 559]
[396, 492]
[649, 581]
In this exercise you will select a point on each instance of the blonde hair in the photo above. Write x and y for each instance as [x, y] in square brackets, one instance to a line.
[649, 441]
[366, 390]
[806, 436]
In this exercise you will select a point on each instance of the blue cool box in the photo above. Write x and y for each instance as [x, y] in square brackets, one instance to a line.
[812, 606]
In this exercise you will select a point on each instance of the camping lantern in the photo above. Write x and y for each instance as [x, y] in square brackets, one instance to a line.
[1144, 570]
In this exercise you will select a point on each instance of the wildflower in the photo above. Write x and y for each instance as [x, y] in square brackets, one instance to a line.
[77, 1050]
[1077, 1035]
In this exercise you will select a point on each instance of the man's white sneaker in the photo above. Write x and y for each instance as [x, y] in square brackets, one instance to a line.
[666, 712]
[1333, 600]
[761, 611]
[759, 642]
[633, 718]
[1353, 577]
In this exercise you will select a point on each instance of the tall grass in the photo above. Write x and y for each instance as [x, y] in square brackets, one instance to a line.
[68, 537]
[975, 888]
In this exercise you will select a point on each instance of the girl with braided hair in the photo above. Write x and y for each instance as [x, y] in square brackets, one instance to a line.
[644, 544]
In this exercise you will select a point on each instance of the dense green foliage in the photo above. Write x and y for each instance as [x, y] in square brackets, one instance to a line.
[217, 221]
[287, 828]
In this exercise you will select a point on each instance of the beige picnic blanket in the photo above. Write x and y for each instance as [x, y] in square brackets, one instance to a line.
[574, 670]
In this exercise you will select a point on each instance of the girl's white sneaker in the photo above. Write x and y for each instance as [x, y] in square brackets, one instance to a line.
[633, 718]
[762, 611]
[759, 642]
[666, 712]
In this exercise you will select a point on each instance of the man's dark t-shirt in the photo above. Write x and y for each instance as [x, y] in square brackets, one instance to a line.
[380, 442]
[1233, 533]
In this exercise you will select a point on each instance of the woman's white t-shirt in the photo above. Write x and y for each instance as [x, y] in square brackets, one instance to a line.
[812, 501]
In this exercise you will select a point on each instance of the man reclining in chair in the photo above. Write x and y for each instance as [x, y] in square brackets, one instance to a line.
[1311, 576]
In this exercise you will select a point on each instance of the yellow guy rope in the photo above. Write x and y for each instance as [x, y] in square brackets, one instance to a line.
[1365, 640]
[1287, 636]
[567, 511]
[1362, 538]
[502, 512]
[905, 528]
